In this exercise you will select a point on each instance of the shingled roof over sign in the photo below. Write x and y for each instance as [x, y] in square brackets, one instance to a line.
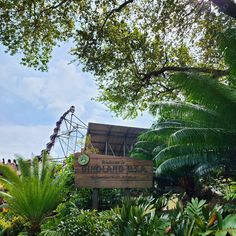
[113, 139]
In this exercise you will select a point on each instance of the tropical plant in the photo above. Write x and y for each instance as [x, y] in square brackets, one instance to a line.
[70, 220]
[196, 219]
[230, 191]
[34, 193]
[138, 217]
[67, 173]
[194, 137]
[10, 224]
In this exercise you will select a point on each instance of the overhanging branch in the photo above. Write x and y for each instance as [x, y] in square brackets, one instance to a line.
[214, 72]
[118, 9]
[146, 79]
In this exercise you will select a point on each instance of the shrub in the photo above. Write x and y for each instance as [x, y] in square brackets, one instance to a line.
[10, 224]
[139, 217]
[72, 221]
[33, 194]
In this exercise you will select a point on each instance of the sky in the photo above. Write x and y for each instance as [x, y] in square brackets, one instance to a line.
[32, 101]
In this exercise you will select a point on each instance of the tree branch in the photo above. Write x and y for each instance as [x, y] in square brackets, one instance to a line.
[214, 72]
[146, 79]
[228, 7]
[59, 4]
[118, 9]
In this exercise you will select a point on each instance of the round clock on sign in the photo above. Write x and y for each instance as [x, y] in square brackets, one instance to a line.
[83, 159]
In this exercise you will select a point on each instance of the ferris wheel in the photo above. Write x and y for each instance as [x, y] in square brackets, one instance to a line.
[68, 136]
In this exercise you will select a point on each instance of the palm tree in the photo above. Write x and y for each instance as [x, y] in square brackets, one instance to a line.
[34, 193]
[195, 136]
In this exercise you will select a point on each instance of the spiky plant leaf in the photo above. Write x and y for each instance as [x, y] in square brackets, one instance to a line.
[34, 193]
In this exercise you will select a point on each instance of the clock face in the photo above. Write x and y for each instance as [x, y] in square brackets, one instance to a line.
[83, 159]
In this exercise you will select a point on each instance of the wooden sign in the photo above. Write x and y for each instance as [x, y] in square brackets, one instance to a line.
[100, 171]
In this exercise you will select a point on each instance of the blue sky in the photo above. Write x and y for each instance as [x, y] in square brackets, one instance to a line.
[31, 102]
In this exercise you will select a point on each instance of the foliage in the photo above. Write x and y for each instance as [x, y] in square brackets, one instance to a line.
[227, 42]
[10, 224]
[109, 198]
[67, 174]
[139, 216]
[196, 219]
[230, 191]
[189, 220]
[38, 27]
[132, 47]
[33, 194]
[86, 223]
[73, 221]
[195, 137]
[136, 216]
[209, 139]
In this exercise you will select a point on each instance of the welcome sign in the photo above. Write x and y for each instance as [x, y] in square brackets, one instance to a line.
[101, 171]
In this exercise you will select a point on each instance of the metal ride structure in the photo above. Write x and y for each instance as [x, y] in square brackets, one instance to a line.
[67, 137]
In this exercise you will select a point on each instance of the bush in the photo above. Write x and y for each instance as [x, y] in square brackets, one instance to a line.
[72, 221]
[10, 224]
[140, 216]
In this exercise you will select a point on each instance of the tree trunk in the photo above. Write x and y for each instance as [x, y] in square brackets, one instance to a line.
[34, 229]
[188, 184]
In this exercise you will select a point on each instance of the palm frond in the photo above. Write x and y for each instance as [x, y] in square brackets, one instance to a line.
[5, 182]
[196, 136]
[206, 168]
[209, 93]
[5, 195]
[147, 145]
[158, 148]
[11, 174]
[35, 166]
[171, 123]
[35, 193]
[187, 114]
[142, 150]
[24, 167]
[141, 154]
[159, 134]
[203, 137]
[184, 162]
[177, 150]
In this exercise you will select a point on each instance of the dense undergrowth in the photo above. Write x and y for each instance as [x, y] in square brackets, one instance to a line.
[145, 215]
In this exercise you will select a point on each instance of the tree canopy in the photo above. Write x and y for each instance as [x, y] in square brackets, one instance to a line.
[131, 47]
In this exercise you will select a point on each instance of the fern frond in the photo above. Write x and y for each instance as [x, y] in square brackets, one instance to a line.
[188, 114]
[158, 135]
[209, 93]
[158, 149]
[184, 162]
[203, 137]
[177, 150]
[206, 168]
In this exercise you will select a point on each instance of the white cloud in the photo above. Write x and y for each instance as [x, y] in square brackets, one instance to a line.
[51, 93]
[23, 140]
[64, 85]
